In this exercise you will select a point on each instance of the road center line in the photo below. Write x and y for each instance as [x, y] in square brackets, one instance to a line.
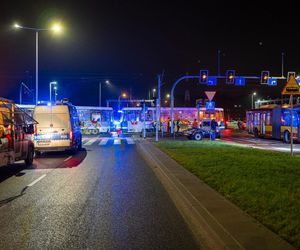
[38, 179]
[68, 158]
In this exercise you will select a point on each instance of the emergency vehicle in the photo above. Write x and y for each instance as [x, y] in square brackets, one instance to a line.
[58, 127]
[16, 130]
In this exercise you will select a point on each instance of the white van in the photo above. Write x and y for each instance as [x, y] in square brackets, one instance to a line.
[58, 128]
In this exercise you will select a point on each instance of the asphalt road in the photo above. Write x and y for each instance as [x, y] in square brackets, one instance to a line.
[243, 138]
[105, 197]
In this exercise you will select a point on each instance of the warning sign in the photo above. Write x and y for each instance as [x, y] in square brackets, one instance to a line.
[291, 88]
[210, 94]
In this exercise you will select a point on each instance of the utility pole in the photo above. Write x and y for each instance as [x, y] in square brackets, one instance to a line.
[144, 124]
[100, 86]
[158, 107]
[291, 101]
[219, 51]
[282, 64]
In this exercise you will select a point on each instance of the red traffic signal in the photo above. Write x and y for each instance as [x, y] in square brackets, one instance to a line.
[203, 76]
[265, 75]
[230, 76]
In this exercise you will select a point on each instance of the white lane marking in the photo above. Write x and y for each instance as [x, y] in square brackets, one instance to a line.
[90, 142]
[117, 141]
[68, 158]
[103, 141]
[130, 140]
[284, 149]
[38, 179]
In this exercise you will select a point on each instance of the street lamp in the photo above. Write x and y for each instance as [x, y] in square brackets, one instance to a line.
[123, 95]
[168, 96]
[55, 92]
[153, 92]
[100, 91]
[55, 88]
[252, 97]
[56, 28]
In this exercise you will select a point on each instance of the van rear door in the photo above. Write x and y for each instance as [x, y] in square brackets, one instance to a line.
[53, 129]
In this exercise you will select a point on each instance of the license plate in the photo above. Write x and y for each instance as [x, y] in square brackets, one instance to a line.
[43, 143]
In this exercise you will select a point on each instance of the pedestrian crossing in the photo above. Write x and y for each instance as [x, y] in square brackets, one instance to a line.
[107, 141]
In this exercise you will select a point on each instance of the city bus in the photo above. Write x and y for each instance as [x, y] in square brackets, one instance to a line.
[132, 119]
[274, 121]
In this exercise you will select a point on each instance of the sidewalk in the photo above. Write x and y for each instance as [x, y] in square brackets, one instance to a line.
[215, 221]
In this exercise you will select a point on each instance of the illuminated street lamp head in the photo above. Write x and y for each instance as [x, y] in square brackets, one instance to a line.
[124, 95]
[107, 82]
[254, 93]
[168, 95]
[56, 28]
[154, 90]
[17, 26]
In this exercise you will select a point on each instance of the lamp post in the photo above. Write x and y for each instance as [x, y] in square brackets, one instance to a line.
[100, 91]
[153, 92]
[57, 29]
[55, 88]
[252, 99]
[55, 93]
[123, 95]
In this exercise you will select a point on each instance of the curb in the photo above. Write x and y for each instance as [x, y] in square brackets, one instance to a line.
[215, 222]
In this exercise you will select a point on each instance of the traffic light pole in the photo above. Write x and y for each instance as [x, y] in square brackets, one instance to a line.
[199, 77]
[158, 107]
[291, 100]
[172, 97]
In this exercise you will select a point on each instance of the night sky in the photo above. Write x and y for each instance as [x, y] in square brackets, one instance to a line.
[130, 42]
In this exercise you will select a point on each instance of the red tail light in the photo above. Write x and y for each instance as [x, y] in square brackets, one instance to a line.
[71, 135]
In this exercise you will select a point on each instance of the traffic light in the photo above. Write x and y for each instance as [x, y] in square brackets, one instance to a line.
[230, 76]
[265, 75]
[203, 76]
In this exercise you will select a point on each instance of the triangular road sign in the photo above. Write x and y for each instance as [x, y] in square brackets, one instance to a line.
[210, 94]
[292, 87]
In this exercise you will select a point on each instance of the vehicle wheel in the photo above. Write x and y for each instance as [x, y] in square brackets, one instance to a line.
[198, 136]
[286, 137]
[29, 158]
[256, 134]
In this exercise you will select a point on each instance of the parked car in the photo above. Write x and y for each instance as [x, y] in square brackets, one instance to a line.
[232, 124]
[235, 124]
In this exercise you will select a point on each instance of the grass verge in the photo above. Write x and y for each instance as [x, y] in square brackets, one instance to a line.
[265, 184]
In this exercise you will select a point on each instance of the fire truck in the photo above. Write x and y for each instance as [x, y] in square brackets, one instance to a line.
[16, 134]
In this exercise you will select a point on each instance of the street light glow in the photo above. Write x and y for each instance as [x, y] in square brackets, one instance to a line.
[56, 28]
[107, 82]
[168, 95]
[254, 93]
[154, 90]
[17, 26]
[124, 95]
